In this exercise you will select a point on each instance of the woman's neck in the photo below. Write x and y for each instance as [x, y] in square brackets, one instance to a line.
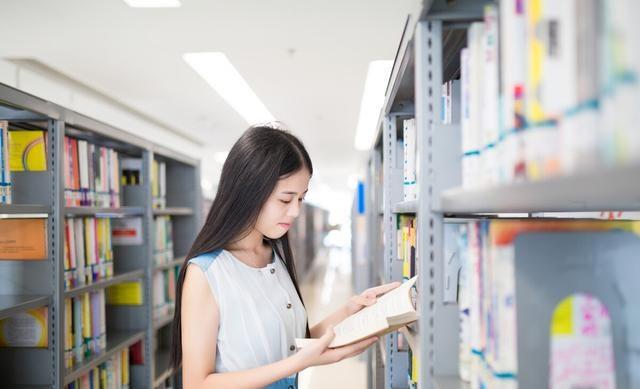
[252, 249]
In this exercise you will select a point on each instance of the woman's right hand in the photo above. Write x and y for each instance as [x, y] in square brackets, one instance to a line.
[318, 353]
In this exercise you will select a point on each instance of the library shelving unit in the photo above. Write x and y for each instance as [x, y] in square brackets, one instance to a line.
[182, 207]
[26, 285]
[428, 56]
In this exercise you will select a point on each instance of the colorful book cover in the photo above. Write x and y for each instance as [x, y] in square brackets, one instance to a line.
[581, 345]
[27, 151]
[26, 329]
[23, 239]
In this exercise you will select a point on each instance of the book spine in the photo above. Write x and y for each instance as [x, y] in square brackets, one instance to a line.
[86, 325]
[77, 196]
[77, 330]
[5, 173]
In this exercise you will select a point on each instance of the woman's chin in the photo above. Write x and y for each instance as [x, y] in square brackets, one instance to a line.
[275, 234]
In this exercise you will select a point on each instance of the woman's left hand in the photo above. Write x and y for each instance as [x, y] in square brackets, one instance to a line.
[368, 297]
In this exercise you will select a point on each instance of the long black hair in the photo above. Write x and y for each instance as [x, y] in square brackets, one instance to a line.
[258, 159]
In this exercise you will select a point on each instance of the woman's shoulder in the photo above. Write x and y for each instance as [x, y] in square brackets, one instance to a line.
[204, 261]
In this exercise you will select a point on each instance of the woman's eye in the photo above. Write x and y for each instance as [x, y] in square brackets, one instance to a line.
[301, 200]
[285, 201]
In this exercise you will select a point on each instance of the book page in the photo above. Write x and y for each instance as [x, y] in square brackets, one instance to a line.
[374, 319]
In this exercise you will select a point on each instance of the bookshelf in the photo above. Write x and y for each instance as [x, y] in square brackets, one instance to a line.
[429, 56]
[31, 284]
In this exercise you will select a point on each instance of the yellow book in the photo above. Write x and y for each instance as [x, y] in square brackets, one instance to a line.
[68, 333]
[86, 323]
[103, 378]
[125, 367]
[26, 329]
[155, 187]
[406, 254]
[126, 293]
[27, 151]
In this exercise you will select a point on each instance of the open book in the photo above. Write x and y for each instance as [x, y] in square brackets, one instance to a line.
[391, 311]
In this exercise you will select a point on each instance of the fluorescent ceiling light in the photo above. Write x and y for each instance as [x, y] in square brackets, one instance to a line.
[153, 3]
[220, 74]
[372, 101]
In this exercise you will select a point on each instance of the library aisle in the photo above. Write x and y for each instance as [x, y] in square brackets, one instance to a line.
[475, 163]
[327, 284]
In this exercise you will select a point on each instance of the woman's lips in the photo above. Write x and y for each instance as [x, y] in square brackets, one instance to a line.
[284, 225]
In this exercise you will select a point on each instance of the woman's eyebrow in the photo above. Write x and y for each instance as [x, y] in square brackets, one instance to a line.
[294, 193]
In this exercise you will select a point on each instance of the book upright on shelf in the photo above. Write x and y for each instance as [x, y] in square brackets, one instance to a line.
[5, 171]
[409, 166]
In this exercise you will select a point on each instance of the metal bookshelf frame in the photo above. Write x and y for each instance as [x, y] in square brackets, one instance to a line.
[44, 368]
[415, 88]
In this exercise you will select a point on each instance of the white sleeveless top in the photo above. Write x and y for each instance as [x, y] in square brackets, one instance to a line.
[259, 308]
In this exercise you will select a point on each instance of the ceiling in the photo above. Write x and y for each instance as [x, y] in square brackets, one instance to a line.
[306, 60]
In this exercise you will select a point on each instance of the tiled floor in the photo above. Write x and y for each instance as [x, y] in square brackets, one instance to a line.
[326, 287]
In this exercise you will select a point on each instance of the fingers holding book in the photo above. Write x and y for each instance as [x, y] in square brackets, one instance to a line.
[316, 352]
[369, 297]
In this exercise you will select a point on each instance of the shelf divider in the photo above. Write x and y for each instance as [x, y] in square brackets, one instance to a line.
[116, 279]
[12, 304]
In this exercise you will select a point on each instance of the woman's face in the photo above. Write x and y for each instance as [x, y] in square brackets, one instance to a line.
[283, 205]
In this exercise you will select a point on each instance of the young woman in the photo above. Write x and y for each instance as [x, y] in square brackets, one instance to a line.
[238, 307]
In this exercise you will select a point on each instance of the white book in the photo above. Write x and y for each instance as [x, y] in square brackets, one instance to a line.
[126, 231]
[114, 187]
[472, 130]
[489, 103]
[465, 118]
[90, 247]
[103, 320]
[513, 37]
[163, 184]
[70, 231]
[80, 253]
[391, 311]
[443, 103]
[5, 172]
[410, 185]
[464, 300]
[91, 151]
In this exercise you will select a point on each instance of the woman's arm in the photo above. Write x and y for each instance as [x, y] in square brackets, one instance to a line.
[355, 303]
[200, 319]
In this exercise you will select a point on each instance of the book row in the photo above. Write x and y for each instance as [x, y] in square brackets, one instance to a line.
[91, 174]
[85, 332]
[112, 374]
[409, 165]
[407, 247]
[163, 243]
[407, 252]
[159, 184]
[88, 252]
[20, 150]
[549, 88]
[164, 291]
